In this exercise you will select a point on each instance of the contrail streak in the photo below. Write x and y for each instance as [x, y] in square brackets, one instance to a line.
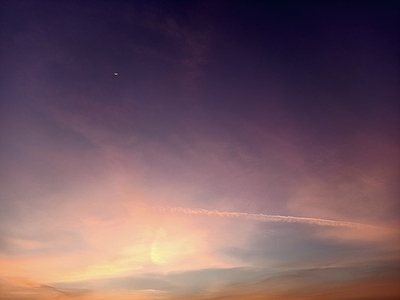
[264, 218]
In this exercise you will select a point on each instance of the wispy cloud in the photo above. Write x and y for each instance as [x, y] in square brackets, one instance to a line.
[265, 218]
[23, 288]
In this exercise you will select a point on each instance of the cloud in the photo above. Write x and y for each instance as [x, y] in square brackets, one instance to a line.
[265, 218]
[23, 288]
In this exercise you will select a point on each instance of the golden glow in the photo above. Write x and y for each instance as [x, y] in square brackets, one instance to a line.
[168, 247]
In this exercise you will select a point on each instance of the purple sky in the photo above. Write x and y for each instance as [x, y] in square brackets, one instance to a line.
[245, 149]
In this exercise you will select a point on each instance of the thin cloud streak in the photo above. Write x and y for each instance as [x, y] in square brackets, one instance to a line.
[266, 218]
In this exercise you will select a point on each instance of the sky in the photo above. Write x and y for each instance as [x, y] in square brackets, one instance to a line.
[186, 150]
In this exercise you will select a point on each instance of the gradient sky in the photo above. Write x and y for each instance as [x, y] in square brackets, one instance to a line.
[244, 150]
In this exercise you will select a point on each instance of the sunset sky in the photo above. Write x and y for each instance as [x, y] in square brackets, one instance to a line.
[186, 150]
